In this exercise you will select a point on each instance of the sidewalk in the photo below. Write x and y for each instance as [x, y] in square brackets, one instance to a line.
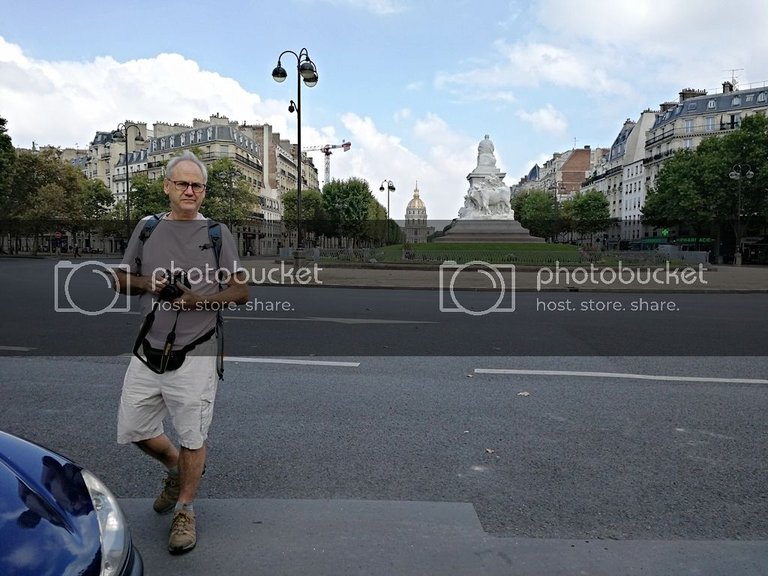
[711, 279]
[381, 538]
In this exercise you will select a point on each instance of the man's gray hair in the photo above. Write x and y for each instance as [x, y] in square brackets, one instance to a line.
[186, 156]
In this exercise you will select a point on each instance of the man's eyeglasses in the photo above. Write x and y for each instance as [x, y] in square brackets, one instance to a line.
[182, 185]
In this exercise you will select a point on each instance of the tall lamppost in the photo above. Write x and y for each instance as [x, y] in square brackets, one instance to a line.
[121, 133]
[306, 71]
[737, 173]
[340, 215]
[390, 188]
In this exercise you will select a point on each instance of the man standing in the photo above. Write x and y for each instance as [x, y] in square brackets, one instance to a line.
[173, 372]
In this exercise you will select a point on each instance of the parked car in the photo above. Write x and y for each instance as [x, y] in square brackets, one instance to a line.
[58, 518]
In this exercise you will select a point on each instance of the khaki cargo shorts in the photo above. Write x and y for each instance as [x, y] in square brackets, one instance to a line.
[185, 396]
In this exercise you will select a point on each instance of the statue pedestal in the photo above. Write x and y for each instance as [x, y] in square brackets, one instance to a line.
[487, 230]
[480, 173]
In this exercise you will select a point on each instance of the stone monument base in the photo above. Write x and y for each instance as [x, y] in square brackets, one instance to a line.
[499, 231]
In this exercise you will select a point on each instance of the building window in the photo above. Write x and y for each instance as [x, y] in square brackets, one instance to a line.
[692, 106]
[688, 143]
[688, 126]
[709, 123]
[711, 105]
[761, 97]
[736, 101]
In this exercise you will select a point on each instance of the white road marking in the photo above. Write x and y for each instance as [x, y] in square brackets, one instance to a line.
[700, 379]
[291, 361]
[16, 349]
[332, 320]
[367, 321]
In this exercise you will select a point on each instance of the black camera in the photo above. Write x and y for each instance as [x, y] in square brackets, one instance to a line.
[171, 291]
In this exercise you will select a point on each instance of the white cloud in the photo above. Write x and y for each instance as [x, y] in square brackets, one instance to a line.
[402, 114]
[656, 40]
[527, 65]
[547, 119]
[65, 103]
[646, 25]
[440, 173]
[538, 63]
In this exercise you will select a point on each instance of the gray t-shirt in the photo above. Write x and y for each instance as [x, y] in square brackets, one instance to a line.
[181, 245]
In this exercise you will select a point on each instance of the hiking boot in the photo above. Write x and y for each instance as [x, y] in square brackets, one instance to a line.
[168, 497]
[183, 534]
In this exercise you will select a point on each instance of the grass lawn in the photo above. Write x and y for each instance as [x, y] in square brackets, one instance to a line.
[513, 253]
[480, 247]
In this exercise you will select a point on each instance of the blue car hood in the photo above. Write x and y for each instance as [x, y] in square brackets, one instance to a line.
[47, 521]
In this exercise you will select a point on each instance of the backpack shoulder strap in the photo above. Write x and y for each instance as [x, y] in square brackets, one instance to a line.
[144, 235]
[214, 236]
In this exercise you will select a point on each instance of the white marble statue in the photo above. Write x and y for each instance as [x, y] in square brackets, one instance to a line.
[488, 198]
[485, 152]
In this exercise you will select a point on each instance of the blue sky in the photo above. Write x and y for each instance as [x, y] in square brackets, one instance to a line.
[414, 85]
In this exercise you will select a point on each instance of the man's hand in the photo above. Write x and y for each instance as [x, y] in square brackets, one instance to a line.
[234, 294]
[125, 282]
[188, 300]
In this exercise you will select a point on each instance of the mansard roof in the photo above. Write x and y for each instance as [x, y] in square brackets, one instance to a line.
[727, 102]
[200, 136]
[618, 148]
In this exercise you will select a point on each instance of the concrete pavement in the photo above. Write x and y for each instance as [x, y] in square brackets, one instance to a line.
[693, 278]
[381, 538]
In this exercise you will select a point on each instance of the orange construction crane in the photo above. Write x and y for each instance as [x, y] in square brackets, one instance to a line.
[326, 149]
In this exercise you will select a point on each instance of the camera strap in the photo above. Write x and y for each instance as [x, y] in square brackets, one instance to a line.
[146, 326]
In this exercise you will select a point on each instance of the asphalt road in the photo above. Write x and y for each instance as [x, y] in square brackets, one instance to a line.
[546, 456]
[306, 321]
[581, 425]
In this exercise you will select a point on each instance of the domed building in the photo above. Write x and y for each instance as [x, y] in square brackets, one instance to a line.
[416, 229]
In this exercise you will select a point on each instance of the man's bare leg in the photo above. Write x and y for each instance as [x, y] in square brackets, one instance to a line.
[191, 464]
[162, 449]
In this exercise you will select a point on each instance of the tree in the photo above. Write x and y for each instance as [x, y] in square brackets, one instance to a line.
[47, 194]
[312, 213]
[591, 212]
[676, 198]
[379, 229]
[747, 149]
[694, 188]
[228, 197]
[97, 199]
[7, 161]
[349, 201]
[567, 218]
[97, 205]
[537, 210]
[147, 197]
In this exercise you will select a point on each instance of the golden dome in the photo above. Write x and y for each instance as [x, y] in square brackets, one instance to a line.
[416, 202]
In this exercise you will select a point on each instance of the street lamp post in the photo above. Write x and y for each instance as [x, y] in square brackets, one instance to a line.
[339, 214]
[737, 173]
[121, 133]
[306, 71]
[390, 188]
